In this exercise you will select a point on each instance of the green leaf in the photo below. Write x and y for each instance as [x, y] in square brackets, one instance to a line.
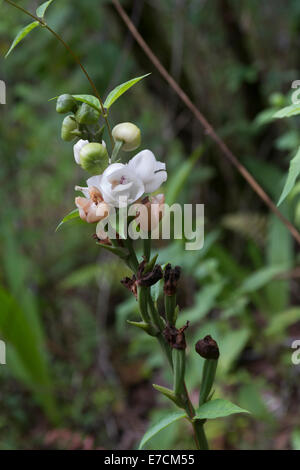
[283, 320]
[168, 393]
[121, 252]
[120, 90]
[178, 181]
[21, 35]
[90, 100]
[41, 10]
[293, 174]
[162, 424]
[288, 111]
[143, 326]
[74, 214]
[260, 278]
[231, 345]
[26, 355]
[218, 409]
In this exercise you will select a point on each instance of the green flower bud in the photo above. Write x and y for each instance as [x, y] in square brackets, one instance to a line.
[94, 158]
[129, 134]
[65, 104]
[87, 115]
[68, 129]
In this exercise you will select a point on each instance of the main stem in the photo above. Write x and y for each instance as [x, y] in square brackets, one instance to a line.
[77, 60]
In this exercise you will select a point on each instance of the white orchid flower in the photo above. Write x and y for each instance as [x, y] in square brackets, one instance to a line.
[151, 172]
[123, 184]
[119, 185]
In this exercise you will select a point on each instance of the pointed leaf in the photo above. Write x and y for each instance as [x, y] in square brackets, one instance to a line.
[293, 174]
[120, 90]
[143, 326]
[168, 393]
[74, 214]
[162, 424]
[122, 252]
[21, 35]
[41, 10]
[90, 100]
[218, 409]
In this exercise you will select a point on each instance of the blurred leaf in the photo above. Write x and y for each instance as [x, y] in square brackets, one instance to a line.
[16, 331]
[293, 174]
[283, 320]
[218, 409]
[295, 439]
[21, 35]
[120, 90]
[177, 182]
[250, 397]
[166, 421]
[260, 278]
[204, 302]
[231, 345]
[279, 253]
[288, 111]
[41, 10]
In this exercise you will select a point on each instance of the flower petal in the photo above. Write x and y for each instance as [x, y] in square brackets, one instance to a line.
[77, 148]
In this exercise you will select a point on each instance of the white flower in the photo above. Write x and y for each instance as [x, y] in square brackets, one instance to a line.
[122, 184]
[119, 185]
[151, 172]
[79, 146]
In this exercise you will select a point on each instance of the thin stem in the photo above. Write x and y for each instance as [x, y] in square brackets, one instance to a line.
[77, 60]
[209, 130]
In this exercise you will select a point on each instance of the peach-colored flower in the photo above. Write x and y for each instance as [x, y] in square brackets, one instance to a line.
[92, 209]
[149, 219]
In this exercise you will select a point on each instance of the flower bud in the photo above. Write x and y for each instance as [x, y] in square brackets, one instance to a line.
[129, 134]
[94, 158]
[87, 115]
[68, 128]
[65, 104]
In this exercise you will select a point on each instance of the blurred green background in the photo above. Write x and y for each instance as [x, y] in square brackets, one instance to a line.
[77, 375]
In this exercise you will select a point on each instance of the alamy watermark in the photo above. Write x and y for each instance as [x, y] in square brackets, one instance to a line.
[296, 354]
[2, 92]
[2, 353]
[155, 221]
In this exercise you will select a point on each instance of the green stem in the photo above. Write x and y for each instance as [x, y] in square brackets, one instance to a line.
[155, 316]
[147, 248]
[208, 377]
[133, 258]
[198, 427]
[61, 40]
[116, 150]
[142, 300]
